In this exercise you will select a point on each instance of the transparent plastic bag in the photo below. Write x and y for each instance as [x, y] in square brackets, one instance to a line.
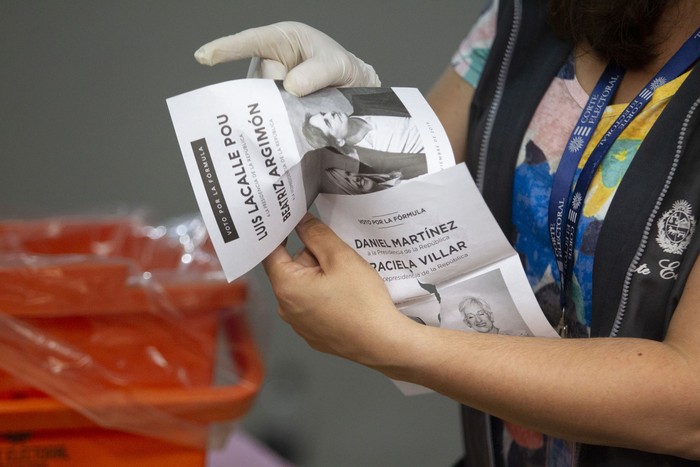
[115, 323]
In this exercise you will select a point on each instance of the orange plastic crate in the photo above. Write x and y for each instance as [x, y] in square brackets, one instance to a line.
[86, 288]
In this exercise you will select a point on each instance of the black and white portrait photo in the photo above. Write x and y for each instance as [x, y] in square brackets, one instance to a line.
[355, 140]
[481, 304]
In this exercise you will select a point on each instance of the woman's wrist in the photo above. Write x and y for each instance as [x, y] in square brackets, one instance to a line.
[401, 351]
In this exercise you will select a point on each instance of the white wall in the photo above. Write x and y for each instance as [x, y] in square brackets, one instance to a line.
[84, 126]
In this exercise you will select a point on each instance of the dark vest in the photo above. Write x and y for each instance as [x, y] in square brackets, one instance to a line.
[645, 248]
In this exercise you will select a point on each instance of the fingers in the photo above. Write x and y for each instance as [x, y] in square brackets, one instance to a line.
[272, 69]
[217, 51]
[280, 261]
[275, 261]
[305, 258]
[226, 49]
[270, 42]
[307, 59]
[311, 75]
[320, 240]
[320, 72]
[264, 68]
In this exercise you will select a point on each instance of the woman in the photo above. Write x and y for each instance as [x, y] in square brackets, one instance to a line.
[477, 315]
[623, 270]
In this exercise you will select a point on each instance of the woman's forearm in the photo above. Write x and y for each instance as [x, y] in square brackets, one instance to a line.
[633, 393]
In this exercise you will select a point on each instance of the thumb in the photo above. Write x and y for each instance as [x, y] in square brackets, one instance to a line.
[309, 76]
[266, 68]
[324, 70]
[322, 242]
[272, 69]
[275, 263]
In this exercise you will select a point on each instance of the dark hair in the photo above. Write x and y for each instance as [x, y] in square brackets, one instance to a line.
[617, 30]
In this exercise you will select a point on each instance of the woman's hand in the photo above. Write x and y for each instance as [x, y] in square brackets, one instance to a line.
[335, 300]
[305, 58]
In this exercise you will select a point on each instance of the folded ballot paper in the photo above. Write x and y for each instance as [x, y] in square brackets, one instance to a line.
[379, 167]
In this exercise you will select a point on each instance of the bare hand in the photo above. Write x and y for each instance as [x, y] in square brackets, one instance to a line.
[334, 299]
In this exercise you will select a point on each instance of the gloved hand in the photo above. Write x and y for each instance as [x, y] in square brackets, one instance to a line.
[305, 58]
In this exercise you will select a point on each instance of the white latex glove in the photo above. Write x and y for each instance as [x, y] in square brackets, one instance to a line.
[304, 57]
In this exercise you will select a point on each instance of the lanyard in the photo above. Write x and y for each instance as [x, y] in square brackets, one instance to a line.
[565, 205]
